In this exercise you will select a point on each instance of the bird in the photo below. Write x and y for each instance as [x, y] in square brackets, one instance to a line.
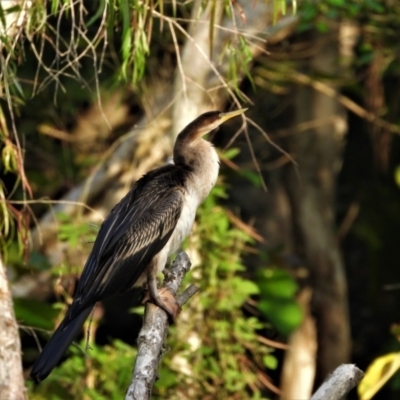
[140, 233]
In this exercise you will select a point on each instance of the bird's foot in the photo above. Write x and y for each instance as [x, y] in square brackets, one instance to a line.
[166, 301]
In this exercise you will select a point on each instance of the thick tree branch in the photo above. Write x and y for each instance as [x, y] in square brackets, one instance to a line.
[11, 377]
[339, 383]
[154, 332]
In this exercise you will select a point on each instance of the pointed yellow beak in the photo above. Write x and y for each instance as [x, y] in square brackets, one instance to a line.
[215, 123]
[225, 116]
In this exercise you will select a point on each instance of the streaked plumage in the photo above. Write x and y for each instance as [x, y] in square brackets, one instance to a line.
[140, 232]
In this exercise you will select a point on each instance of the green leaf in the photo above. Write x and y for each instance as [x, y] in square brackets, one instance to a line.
[100, 10]
[277, 299]
[231, 153]
[285, 315]
[35, 313]
[270, 361]
[54, 6]
[253, 177]
[277, 283]
[246, 287]
[336, 3]
[322, 26]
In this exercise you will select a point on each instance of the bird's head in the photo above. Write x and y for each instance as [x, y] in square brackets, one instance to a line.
[206, 122]
[191, 136]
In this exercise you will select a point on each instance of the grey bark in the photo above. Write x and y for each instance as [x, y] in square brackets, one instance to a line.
[339, 383]
[154, 331]
[11, 374]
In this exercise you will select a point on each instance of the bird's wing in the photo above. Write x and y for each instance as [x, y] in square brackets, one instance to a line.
[137, 228]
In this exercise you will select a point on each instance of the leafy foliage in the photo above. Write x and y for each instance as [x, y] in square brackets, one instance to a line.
[103, 374]
[224, 354]
[311, 12]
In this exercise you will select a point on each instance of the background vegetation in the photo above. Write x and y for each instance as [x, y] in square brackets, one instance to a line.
[295, 251]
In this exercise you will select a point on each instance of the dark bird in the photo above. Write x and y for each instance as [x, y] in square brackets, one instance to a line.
[140, 232]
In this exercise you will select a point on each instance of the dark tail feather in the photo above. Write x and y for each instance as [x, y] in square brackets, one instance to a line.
[57, 345]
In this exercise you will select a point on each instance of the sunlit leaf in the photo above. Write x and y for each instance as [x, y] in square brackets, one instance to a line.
[278, 283]
[285, 315]
[270, 361]
[397, 175]
[231, 153]
[377, 374]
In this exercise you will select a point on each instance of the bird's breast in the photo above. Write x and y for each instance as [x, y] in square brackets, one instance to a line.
[198, 185]
[185, 222]
[205, 171]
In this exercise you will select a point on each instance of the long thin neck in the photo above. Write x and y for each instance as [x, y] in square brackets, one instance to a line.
[186, 144]
[189, 141]
[189, 153]
[201, 159]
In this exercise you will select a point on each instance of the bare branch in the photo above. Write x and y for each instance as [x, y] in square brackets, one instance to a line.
[339, 383]
[154, 332]
[11, 376]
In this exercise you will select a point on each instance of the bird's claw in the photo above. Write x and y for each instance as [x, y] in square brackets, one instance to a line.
[165, 300]
[169, 303]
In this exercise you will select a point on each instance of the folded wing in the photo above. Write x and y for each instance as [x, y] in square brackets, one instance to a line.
[137, 228]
